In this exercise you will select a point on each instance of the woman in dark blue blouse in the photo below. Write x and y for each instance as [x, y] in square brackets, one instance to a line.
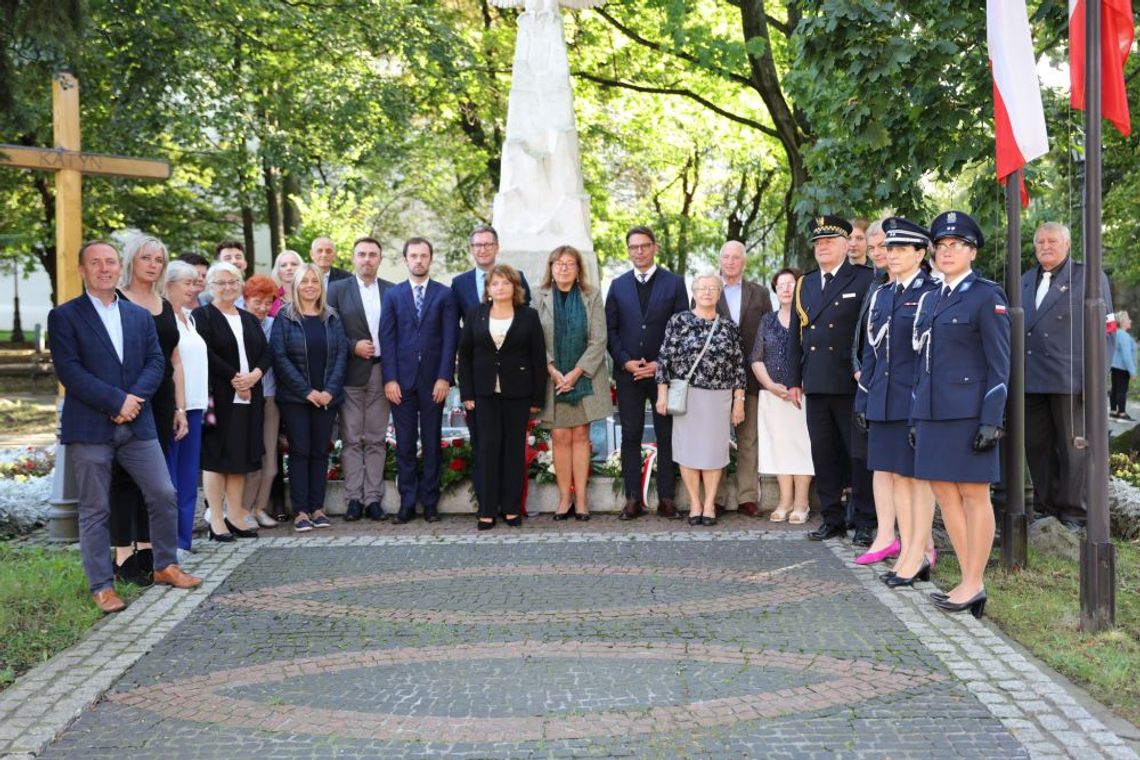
[309, 358]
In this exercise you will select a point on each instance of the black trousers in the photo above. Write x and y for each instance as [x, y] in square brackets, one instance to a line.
[1118, 393]
[631, 397]
[829, 428]
[500, 463]
[307, 429]
[1056, 466]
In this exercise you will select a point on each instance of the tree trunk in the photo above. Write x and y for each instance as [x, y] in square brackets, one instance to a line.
[272, 209]
[247, 231]
[290, 189]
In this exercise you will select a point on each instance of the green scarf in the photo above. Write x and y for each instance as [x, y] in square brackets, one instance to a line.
[571, 335]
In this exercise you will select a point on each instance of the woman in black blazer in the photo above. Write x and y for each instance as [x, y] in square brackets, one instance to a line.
[502, 381]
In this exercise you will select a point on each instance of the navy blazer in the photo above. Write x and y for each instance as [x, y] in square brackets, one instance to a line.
[344, 298]
[1054, 333]
[889, 363]
[819, 344]
[289, 345]
[464, 290]
[97, 383]
[519, 364]
[963, 347]
[633, 335]
[424, 350]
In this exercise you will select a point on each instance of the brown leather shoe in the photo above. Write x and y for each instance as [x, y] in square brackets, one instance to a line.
[108, 601]
[631, 510]
[750, 508]
[667, 508]
[172, 575]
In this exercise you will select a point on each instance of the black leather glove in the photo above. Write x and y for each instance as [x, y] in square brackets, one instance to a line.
[912, 437]
[987, 437]
[861, 421]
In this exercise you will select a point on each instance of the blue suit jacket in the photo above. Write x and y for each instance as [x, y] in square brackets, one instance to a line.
[464, 291]
[633, 335]
[97, 383]
[424, 350]
[963, 361]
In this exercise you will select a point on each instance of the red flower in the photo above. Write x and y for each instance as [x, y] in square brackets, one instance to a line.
[542, 446]
[457, 441]
[458, 464]
[443, 444]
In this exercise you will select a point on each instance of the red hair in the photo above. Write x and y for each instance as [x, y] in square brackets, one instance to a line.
[259, 286]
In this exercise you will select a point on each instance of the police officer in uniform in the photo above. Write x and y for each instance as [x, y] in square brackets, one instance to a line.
[961, 332]
[886, 386]
[827, 302]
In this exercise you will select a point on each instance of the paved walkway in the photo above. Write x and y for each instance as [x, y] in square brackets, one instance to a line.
[597, 640]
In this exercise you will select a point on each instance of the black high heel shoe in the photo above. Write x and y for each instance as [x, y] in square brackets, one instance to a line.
[898, 581]
[222, 538]
[939, 595]
[884, 577]
[570, 512]
[580, 516]
[694, 520]
[486, 524]
[514, 522]
[236, 531]
[975, 604]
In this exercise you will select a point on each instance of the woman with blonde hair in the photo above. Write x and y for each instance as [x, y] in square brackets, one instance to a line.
[285, 268]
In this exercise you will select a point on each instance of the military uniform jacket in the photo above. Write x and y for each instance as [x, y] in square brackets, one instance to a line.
[1054, 333]
[963, 353]
[819, 344]
[889, 362]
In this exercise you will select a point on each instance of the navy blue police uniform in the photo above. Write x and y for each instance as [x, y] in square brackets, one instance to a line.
[819, 362]
[962, 338]
[889, 362]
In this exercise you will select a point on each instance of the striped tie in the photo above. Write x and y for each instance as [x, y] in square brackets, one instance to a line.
[419, 302]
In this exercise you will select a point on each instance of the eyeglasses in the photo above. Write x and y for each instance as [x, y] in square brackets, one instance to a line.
[482, 246]
[706, 289]
[640, 247]
[225, 283]
[951, 245]
[564, 265]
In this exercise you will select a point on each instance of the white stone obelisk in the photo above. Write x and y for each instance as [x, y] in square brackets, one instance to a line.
[541, 203]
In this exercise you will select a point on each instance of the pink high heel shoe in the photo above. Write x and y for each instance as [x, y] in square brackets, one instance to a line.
[932, 557]
[871, 558]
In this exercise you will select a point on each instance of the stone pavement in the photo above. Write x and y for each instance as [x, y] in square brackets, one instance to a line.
[603, 639]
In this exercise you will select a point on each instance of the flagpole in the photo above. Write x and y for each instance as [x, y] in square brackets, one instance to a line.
[1014, 528]
[1098, 558]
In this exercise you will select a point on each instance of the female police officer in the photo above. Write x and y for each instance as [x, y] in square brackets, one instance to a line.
[885, 392]
[962, 335]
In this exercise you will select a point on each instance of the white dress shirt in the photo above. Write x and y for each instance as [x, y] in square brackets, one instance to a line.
[370, 297]
[112, 321]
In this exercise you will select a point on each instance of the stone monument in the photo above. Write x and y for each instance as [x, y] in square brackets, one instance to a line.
[541, 203]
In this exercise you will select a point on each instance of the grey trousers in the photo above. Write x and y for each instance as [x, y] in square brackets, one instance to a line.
[363, 434]
[144, 462]
[747, 457]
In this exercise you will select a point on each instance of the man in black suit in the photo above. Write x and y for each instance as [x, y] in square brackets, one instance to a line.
[323, 253]
[468, 286]
[638, 306]
[827, 303]
[364, 415]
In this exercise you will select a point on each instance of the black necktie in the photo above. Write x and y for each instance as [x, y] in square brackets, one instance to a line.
[827, 278]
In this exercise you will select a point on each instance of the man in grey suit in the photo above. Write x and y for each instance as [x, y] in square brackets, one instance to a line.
[364, 415]
[1053, 293]
[744, 303]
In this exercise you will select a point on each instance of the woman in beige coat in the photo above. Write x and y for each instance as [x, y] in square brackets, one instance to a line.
[574, 325]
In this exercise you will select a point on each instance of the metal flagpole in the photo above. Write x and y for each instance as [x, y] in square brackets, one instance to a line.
[1014, 527]
[1098, 558]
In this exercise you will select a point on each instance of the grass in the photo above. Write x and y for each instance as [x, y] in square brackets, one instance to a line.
[1039, 606]
[19, 417]
[44, 606]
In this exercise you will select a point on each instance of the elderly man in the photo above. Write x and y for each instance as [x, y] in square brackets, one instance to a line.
[467, 288]
[827, 303]
[106, 354]
[323, 253]
[744, 303]
[1053, 293]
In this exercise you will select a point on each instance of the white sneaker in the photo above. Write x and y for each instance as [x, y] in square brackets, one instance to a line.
[206, 516]
[251, 522]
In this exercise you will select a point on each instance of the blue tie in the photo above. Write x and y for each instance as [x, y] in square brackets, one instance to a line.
[419, 302]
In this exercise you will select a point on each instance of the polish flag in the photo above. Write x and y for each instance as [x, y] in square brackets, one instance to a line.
[1019, 119]
[1116, 35]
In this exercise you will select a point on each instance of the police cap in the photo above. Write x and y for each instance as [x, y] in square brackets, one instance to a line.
[959, 225]
[828, 226]
[901, 231]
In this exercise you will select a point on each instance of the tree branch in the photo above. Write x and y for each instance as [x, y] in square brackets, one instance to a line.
[605, 82]
[779, 25]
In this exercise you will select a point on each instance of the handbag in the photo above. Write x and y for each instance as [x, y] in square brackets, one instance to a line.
[677, 397]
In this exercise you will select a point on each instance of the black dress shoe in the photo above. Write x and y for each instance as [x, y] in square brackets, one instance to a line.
[884, 577]
[694, 519]
[828, 530]
[863, 536]
[405, 515]
[898, 581]
[975, 604]
[431, 515]
[708, 521]
[353, 510]
[234, 530]
[514, 522]
[131, 571]
[486, 525]
[376, 512]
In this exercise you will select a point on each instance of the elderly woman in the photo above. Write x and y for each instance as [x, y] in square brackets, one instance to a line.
[144, 265]
[232, 446]
[183, 285]
[703, 348]
[502, 378]
[260, 294]
[574, 326]
[285, 268]
[310, 355]
[783, 443]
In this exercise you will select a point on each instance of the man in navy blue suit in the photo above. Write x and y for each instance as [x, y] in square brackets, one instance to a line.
[639, 305]
[468, 286]
[419, 332]
[106, 355]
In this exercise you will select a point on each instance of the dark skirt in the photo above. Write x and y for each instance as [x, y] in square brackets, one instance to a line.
[228, 447]
[859, 443]
[946, 452]
[888, 449]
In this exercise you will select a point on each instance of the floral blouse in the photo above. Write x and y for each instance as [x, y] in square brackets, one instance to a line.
[771, 347]
[722, 366]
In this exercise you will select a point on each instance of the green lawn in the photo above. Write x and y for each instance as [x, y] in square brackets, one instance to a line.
[44, 606]
[1040, 608]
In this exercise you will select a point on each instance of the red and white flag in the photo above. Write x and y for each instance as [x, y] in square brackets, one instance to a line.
[1116, 33]
[1019, 119]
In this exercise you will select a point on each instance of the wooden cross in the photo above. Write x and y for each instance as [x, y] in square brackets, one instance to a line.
[70, 163]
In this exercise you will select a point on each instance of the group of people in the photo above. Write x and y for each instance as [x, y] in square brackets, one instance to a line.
[885, 382]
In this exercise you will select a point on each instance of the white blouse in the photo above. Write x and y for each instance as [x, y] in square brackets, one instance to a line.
[234, 321]
[195, 363]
